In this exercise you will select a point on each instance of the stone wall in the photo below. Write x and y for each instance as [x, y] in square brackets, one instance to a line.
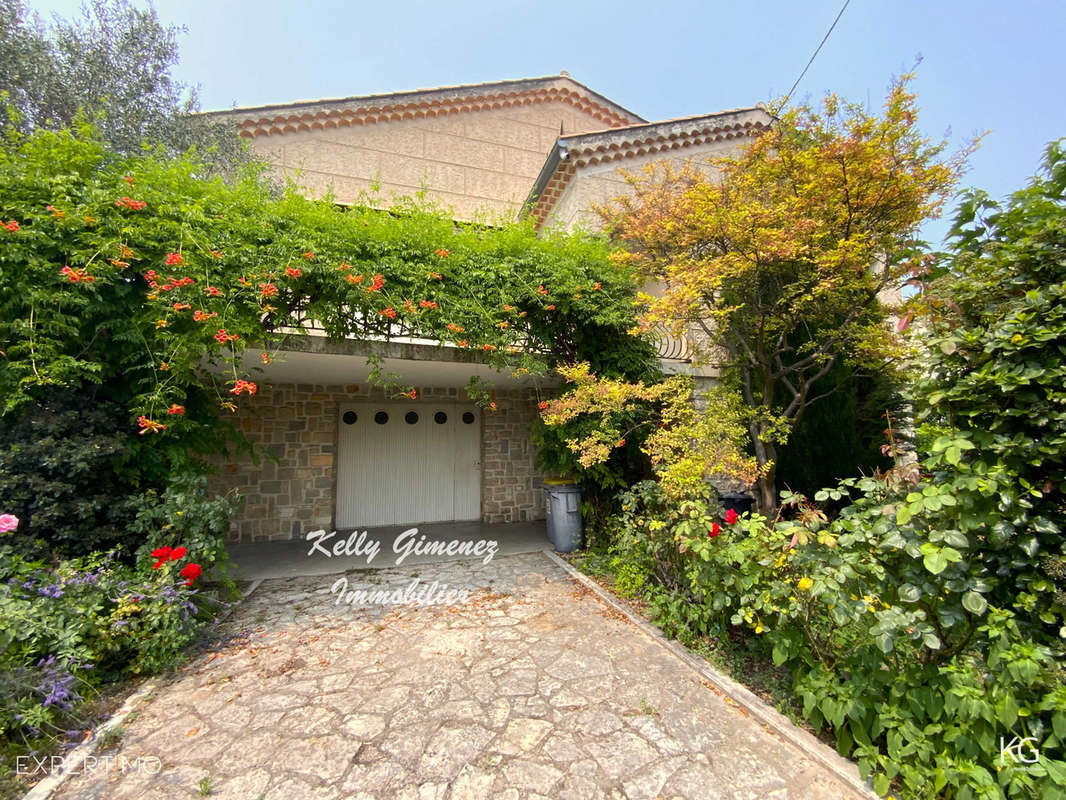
[511, 488]
[291, 488]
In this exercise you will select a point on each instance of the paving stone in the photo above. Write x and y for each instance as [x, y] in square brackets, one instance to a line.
[531, 776]
[472, 783]
[522, 735]
[647, 784]
[529, 691]
[621, 753]
[451, 749]
[290, 789]
[241, 787]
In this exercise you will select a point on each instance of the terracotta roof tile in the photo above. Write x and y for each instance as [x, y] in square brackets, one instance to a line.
[633, 141]
[368, 109]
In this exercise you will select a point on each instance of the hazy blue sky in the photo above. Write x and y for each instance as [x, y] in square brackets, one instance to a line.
[986, 66]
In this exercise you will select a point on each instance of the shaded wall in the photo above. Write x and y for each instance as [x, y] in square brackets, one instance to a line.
[295, 490]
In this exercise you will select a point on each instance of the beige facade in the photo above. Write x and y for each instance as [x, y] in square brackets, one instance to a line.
[587, 170]
[477, 150]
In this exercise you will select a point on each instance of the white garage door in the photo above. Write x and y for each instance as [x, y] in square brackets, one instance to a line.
[402, 463]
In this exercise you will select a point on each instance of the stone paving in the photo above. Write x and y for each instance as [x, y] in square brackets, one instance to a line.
[534, 688]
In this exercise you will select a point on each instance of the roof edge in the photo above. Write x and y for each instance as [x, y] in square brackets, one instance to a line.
[384, 96]
[636, 126]
[611, 144]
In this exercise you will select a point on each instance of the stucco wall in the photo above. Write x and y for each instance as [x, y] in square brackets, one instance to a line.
[295, 492]
[479, 160]
[592, 186]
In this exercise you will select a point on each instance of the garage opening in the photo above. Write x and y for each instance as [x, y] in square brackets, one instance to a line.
[402, 463]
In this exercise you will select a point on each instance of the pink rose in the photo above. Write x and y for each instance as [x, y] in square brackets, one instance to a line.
[8, 523]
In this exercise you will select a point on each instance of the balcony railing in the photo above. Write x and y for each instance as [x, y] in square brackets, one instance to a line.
[668, 347]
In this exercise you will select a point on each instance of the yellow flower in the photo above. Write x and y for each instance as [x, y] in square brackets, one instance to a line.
[804, 584]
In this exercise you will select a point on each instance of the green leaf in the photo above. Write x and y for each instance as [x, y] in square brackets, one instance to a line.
[931, 503]
[1007, 711]
[909, 593]
[1056, 770]
[974, 603]
[956, 539]
[881, 784]
[934, 560]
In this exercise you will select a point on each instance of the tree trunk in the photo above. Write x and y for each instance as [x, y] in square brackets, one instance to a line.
[766, 486]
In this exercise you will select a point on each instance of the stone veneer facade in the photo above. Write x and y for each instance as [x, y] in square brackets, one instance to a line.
[291, 487]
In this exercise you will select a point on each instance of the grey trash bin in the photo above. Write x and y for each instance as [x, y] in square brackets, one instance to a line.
[563, 502]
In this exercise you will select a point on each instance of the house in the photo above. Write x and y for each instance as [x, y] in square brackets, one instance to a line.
[344, 456]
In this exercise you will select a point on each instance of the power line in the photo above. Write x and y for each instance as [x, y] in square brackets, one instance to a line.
[816, 52]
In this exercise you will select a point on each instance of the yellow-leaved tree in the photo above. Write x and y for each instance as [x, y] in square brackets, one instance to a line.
[783, 262]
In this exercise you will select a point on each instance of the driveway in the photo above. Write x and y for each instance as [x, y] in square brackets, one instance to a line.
[533, 688]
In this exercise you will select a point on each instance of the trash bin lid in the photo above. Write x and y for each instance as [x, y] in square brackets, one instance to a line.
[567, 487]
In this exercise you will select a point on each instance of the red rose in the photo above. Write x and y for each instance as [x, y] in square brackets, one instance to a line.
[177, 552]
[714, 530]
[191, 572]
[731, 516]
[161, 554]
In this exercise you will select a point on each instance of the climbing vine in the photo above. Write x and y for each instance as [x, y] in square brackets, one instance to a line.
[140, 274]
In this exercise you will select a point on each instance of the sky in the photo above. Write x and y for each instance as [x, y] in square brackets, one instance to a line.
[994, 68]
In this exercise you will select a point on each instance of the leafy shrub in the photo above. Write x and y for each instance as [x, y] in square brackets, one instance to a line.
[67, 627]
[73, 473]
[884, 626]
[186, 515]
[841, 434]
[164, 273]
[648, 560]
[606, 429]
[883, 617]
[924, 625]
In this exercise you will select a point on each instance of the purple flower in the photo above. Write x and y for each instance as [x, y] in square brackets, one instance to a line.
[57, 683]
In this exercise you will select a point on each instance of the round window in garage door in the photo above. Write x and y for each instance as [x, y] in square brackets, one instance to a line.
[426, 469]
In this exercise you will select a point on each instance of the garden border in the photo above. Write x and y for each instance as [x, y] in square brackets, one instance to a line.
[769, 717]
[73, 761]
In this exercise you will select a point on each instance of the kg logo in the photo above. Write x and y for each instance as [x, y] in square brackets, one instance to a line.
[1019, 750]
